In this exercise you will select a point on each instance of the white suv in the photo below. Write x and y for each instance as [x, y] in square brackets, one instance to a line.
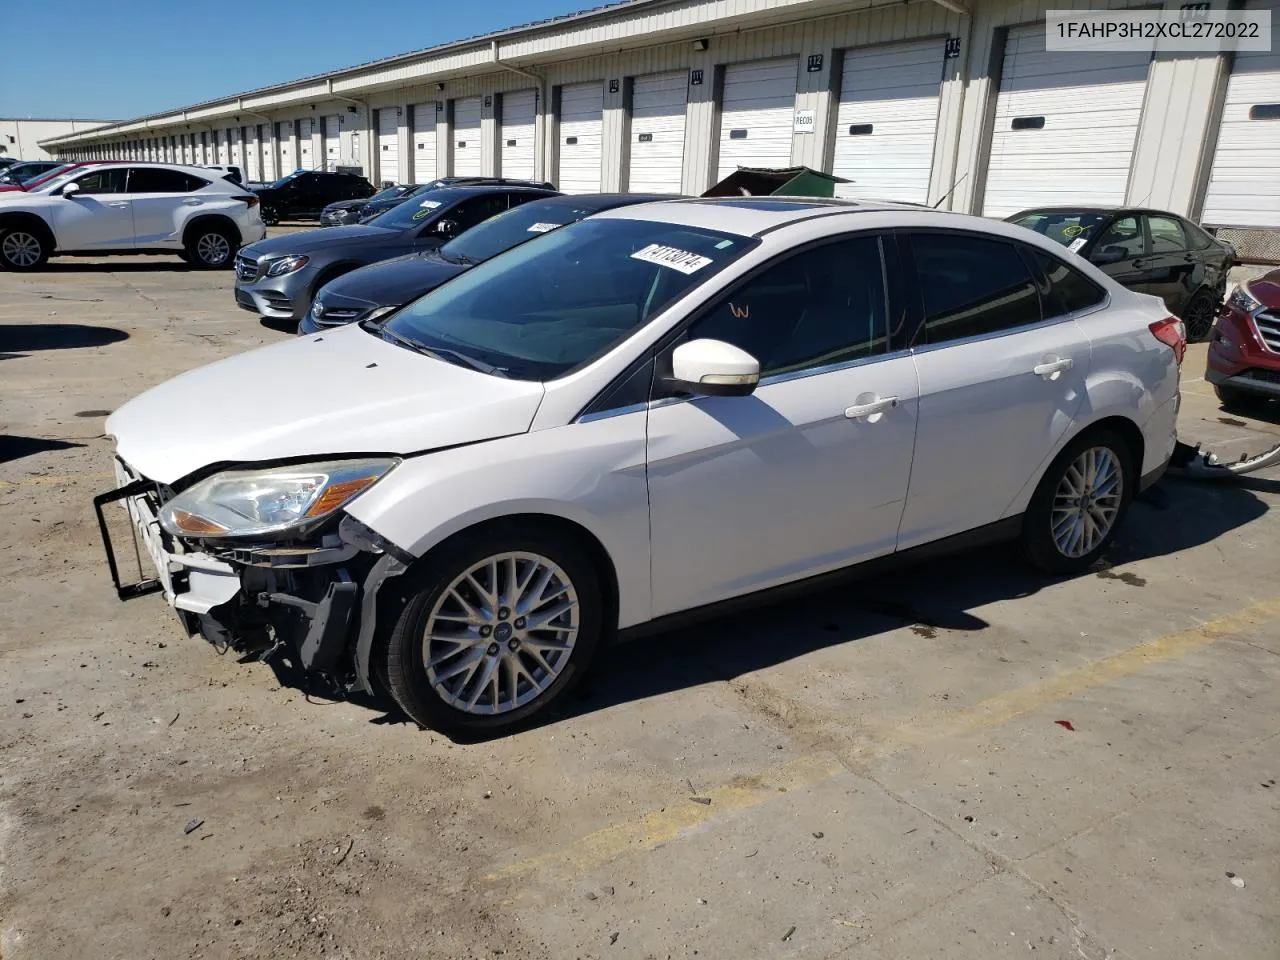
[638, 417]
[130, 208]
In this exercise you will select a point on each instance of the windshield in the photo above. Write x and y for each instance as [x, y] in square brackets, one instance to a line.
[408, 214]
[1063, 226]
[276, 185]
[510, 228]
[551, 305]
[21, 173]
[388, 194]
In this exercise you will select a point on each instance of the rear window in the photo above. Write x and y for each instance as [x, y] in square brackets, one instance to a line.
[1067, 289]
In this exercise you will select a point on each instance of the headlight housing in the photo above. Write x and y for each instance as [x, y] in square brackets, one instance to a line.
[286, 265]
[1242, 299]
[242, 503]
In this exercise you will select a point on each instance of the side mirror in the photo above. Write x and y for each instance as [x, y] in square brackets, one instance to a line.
[71, 189]
[714, 368]
[1109, 255]
[447, 228]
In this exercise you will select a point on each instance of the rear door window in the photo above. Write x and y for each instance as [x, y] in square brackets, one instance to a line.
[1065, 289]
[159, 180]
[1167, 235]
[970, 286]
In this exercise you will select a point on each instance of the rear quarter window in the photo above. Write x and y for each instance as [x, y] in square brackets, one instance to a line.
[1064, 289]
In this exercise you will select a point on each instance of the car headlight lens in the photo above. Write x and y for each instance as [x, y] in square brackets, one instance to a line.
[286, 265]
[240, 503]
[1242, 299]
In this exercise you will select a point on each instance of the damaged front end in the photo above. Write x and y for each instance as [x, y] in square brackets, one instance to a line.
[264, 561]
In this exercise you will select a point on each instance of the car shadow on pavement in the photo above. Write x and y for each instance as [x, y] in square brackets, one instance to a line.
[129, 266]
[15, 448]
[279, 326]
[17, 339]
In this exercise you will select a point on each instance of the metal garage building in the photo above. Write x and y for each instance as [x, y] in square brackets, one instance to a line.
[948, 102]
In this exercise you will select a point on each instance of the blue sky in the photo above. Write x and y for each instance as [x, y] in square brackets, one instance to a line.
[116, 59]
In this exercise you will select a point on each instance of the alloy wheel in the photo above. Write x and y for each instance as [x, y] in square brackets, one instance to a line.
[1198, 318]
[501, 633]
[21, 249]
[1087, 502]
[213, 249]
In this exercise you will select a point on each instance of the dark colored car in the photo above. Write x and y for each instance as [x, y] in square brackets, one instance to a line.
[48, 175]
[7, 162]
[1151, 251]
[278, 277]
[343, 212]
[1244, 352]
[21, 173]
[377, 289]
[304, 193]
[382, 206]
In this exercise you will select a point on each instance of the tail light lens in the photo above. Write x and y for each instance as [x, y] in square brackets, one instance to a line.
[1172, 334]
[247, 199]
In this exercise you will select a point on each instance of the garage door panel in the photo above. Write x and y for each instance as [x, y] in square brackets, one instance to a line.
[1244, 180]
[887, 120]
[388, 144]
[756, 115]
[581, 114]
[1091, 105]
[424, 142]
[518, 113]
[465, 138]
[658, 116]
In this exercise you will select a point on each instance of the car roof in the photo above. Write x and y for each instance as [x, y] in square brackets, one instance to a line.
[602, 201]
[752, 216]
[449, 194]
[1100, 209]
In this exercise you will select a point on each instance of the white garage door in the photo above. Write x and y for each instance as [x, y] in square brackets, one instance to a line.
[657, 133]
[518, 108]
[887, 121]
[1065, 125]
[581, 111]
[253, 154]
[388, 145]
[237, 153]
[306, 144]
[424, 142]
[284, 136]
[269, 173]
[1244, 185]
[466, 137]
[757, 114]
[332, 142]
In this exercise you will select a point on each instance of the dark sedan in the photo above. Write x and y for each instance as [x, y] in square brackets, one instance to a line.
[20, 173]
[373, 209]
[343, 212]
[1151, 251]
[373, 291]
[277, 277]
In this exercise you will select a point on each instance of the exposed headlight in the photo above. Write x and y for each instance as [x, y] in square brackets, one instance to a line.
[378, 312]
[1242, 299]
[240, 503]
[286, 265]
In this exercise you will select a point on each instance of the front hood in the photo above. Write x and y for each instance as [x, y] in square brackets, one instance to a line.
[344, 391]
[392, 282]
[309, 240]
[1267, 289]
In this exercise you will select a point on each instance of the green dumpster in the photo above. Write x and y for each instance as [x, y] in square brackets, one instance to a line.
[777, 182]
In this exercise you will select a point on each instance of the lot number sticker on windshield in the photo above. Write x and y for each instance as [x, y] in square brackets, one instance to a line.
[429, 204]
[1076, 244]
[542, 227]
[672, 257]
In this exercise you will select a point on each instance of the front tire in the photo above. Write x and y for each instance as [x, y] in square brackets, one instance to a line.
[1080, 503]
[497, 627]
[23, 249]
[269, 217]
[211, 248]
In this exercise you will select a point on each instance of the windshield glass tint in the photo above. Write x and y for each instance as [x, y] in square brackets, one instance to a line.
[1063, 227]
[387, 194]
[510, 228]
[413, 212]
[551, 305]
[287, 177]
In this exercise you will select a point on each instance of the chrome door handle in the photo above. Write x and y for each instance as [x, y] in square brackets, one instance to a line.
[870, 409]
[1052, 369]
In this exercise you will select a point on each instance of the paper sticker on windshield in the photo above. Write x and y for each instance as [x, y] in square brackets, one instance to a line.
[1077, 244]
[542, 227]
[429, 204]
[672, 257]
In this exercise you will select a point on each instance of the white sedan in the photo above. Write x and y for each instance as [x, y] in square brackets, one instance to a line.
[635, 419]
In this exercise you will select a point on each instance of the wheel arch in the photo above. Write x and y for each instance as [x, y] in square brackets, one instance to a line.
[206, 220]
[31, 221]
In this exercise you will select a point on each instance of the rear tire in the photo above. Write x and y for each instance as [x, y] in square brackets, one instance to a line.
[472, 656]
[269, 216]
[1198, 316]
[211, 247]
[1080, 503]
[23, 249]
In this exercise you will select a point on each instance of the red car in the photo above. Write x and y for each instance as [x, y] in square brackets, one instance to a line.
[1244, 351]
[47, 176]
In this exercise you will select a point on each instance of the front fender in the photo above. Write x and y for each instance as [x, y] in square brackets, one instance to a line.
[589, 474]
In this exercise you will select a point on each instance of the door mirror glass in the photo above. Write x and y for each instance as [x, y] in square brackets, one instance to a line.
[71, 189]
[1109, 255]
[714, 368]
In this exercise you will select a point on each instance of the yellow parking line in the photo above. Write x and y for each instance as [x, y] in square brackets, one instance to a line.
[683, 814]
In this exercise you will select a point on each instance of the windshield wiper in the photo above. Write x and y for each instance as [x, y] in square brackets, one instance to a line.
[437, 353]
[460, 258]
[473, 362]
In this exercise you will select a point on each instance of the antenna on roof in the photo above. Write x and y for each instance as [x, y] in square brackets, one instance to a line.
[949, 192]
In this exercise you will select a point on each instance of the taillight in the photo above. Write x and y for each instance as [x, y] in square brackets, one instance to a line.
[247, 199]
[1172, 334]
